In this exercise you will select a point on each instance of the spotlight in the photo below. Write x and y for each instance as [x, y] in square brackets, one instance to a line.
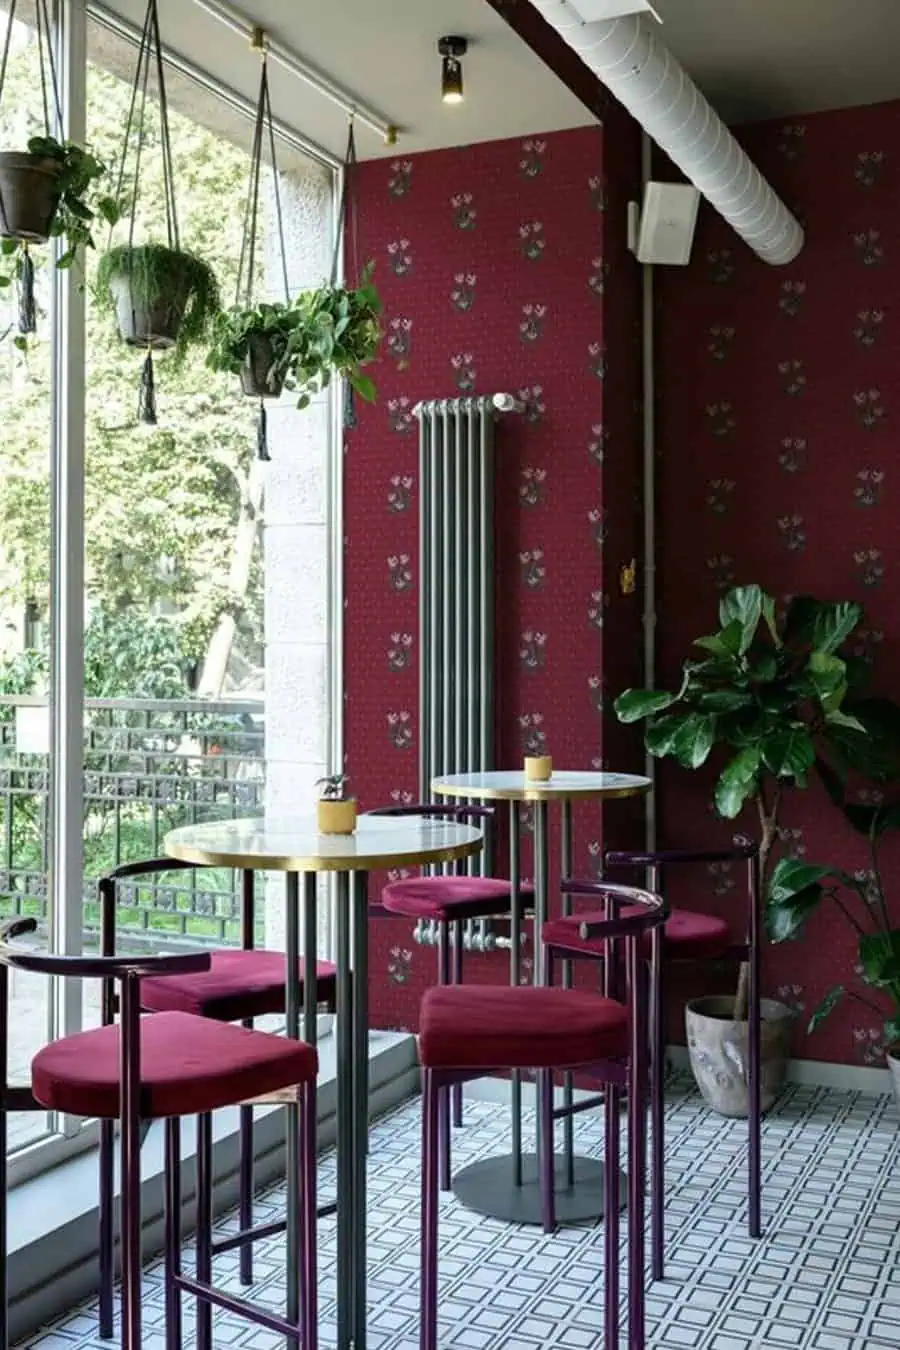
[452, 49]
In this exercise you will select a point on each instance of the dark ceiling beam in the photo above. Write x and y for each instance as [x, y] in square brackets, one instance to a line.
[555, 52]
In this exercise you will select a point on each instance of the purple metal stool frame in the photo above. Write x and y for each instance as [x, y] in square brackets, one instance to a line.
[450, 939]
[127, 972]
[246, 1235]
[654, 864]
[627, 1075]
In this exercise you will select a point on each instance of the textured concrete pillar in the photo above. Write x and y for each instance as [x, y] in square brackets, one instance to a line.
[297, 541]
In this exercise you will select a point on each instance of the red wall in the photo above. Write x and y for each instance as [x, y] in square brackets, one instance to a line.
[777, 426]
[500, 270]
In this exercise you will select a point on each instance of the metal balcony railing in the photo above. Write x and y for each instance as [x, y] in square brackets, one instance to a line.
[150, 765]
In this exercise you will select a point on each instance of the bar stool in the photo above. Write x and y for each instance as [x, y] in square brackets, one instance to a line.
[448, 901]
[237, 984]
[164, 1067]
[468, 1032]
[687, 935]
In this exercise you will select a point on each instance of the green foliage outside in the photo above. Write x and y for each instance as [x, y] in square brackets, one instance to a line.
[173, 513]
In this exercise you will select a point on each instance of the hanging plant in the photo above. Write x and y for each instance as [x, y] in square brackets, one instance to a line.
[301, 343]
[163, 296]
[50, 189]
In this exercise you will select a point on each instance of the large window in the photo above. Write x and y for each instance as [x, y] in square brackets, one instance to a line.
[171, 642]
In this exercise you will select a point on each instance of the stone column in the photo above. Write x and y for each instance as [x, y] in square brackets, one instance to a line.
[298, 539]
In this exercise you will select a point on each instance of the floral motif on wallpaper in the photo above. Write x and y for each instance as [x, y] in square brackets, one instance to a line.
[493, 273]
[775, 421]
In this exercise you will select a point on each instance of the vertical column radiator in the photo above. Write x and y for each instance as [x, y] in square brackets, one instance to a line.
[456, 605]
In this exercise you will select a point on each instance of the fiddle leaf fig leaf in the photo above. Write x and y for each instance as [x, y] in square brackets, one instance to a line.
[788, 752]
[737, 782]
[828, 1005]
[833, 624]
[636, 704]
[693, 740]
[743, 604]
[879, 956]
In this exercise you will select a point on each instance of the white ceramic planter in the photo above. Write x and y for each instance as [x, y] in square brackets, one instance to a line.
[892, 1055]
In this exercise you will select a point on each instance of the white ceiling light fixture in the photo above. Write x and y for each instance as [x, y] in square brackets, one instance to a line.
[592, 11]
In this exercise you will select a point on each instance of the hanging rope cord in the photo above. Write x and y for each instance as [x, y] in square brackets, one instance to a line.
[27, 321]
[263, 135]
[263, 130]
[348, 222]
[149, 58]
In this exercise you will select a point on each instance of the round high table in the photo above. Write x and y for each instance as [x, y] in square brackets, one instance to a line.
[297, 849]
[507, 1187]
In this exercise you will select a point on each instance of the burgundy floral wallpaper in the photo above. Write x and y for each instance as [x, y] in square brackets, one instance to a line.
[778, 417]
[501, 270]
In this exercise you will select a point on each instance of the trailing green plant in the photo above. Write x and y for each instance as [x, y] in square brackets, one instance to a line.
[156, 275]
[798, 888]
[328, 331]
[773, 698]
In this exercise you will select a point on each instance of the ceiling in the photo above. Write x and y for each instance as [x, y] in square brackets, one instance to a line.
[777, 58]
[752, 58]
[386, 55]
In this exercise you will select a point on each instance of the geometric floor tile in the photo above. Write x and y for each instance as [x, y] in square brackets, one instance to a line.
[823, 1277]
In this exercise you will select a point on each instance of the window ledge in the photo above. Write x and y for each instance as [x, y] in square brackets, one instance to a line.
[53, 1219]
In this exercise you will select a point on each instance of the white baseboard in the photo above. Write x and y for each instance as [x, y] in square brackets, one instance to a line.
[806, 1072]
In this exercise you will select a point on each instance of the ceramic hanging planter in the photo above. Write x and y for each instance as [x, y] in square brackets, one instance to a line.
[299, 344]
[261, 376]
[29, 196]
[49, 188]
[163, 297]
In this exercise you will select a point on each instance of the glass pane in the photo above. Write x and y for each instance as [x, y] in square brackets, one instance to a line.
[174, 701]
[25, 395]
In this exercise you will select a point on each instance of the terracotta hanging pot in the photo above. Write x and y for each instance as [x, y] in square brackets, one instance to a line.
[29, 196]
[256, 380]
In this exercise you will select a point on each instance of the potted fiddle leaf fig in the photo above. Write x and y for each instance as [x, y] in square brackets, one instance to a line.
[302, 343]
[769, 699]
[335, 811]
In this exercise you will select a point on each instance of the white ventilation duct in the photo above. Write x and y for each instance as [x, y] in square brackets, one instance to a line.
[645, 77]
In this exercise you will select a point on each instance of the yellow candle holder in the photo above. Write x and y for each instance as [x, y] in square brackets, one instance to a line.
[336, 817]
[538, 768]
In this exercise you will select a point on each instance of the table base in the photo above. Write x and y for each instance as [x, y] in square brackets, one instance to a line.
[488, 1187]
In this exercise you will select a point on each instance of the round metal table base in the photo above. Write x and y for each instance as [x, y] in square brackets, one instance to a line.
[488, 1188]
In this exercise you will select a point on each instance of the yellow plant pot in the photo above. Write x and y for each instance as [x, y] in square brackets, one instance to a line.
[538, 768]
[336, 817]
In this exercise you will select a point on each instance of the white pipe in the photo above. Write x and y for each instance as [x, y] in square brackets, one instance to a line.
[645, 77]
[302, 69]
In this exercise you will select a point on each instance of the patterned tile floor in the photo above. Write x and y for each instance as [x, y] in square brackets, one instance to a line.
[826, 1276]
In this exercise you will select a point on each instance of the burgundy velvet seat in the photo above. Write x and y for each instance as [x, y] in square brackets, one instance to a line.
[239, 985]
[687, 935]
[446, 899]
[189, 1065]
[473, 1027]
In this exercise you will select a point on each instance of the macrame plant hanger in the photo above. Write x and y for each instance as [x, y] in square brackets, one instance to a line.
[27, 317]
[348, 223]
[263, 134]
[149, 56]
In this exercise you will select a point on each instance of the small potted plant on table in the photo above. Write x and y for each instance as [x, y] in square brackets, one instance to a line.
[335, 811]
[774, 699]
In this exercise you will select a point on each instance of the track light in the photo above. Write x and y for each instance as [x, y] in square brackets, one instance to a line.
[452, 49]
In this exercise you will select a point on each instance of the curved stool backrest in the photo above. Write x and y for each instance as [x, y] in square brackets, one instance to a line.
[631, 917]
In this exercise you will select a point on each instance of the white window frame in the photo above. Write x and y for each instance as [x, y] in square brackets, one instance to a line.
[67, 458]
